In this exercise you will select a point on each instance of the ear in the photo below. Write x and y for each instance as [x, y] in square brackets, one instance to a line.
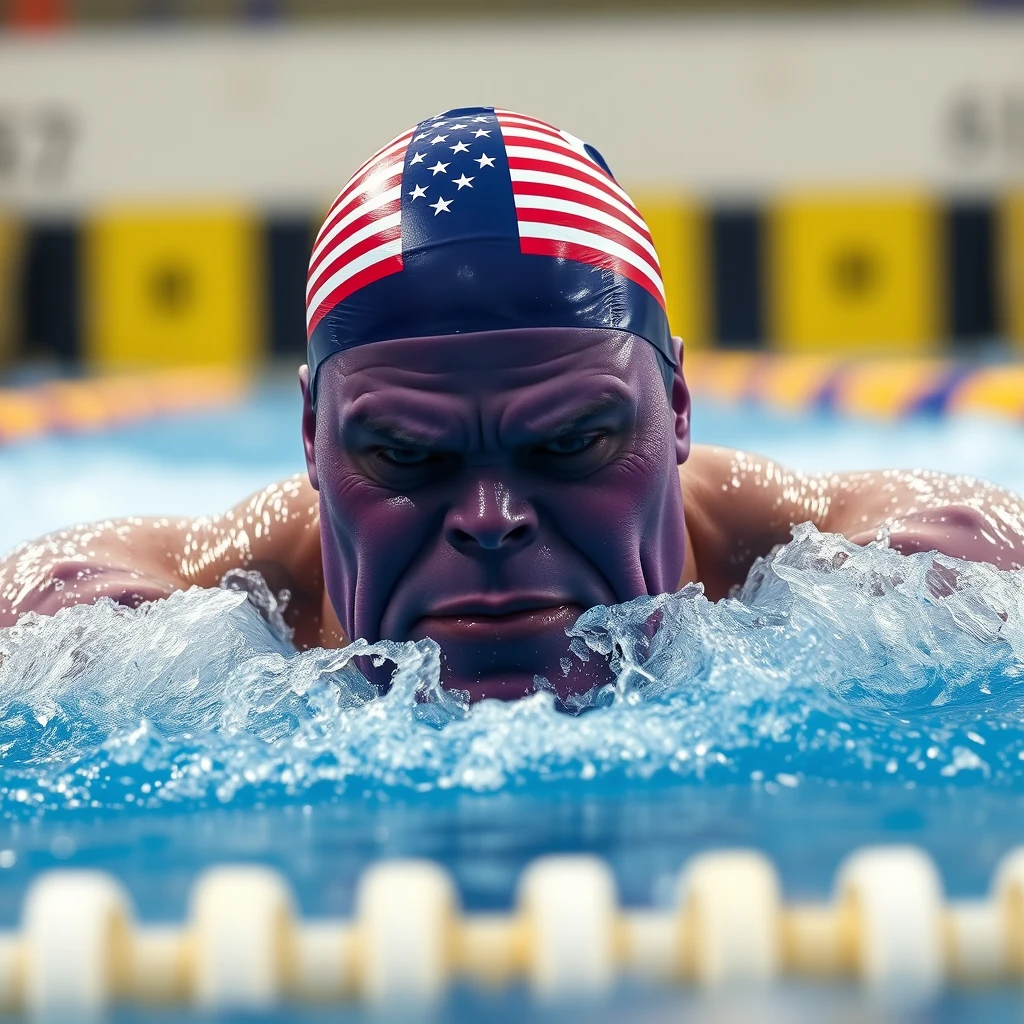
[681, 406]
[308, 427]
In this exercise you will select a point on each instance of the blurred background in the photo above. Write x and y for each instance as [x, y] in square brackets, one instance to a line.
[836, 192]
[834, 178]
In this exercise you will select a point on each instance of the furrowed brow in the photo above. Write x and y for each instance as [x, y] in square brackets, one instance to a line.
[581, 415]
[389, 431]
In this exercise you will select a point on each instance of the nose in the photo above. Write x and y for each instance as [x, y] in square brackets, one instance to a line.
[489, 519]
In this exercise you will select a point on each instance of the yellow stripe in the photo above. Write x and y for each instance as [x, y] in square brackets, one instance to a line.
[723, 376]
[172, 288]
[679, 233]
[21, 416]
[854, 272]
[995, 390]
[1012, 265]
[879, 388]
[103, 402]
[795, 383]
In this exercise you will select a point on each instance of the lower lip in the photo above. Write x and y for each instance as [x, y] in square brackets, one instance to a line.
[475, 628]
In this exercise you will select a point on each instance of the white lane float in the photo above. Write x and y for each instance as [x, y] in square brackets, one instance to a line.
[893, 897]
[569, 911]
[406, 916]
[75, 944]
[242, 937]
[732, 920]
[78, 950]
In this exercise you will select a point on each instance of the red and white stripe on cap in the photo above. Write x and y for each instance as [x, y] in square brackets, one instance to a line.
[361, 237]
[568, 206]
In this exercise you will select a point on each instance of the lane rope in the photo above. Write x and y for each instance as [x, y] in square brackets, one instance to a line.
[888, 926]
[102, 403]
[885, 388]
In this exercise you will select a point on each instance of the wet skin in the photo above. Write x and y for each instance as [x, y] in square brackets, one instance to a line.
[484, 490]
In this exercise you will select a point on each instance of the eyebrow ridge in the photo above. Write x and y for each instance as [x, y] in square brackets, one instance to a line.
[595, 406]
[384, 427]
[388, 428]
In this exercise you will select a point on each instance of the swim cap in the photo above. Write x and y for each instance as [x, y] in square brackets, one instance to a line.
[481, 219]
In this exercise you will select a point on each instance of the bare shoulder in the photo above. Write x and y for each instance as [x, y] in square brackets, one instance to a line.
[739, 505]
[276, 528]
[274, 531]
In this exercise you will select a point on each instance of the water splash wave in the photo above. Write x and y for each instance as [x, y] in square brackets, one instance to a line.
[832, 662]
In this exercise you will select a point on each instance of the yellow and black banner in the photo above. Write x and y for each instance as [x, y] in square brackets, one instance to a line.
[887, 272]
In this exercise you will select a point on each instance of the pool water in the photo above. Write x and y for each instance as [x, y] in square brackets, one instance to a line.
[841, 698]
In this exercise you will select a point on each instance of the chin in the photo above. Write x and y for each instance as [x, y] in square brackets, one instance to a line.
[515, 683]
[506, 686]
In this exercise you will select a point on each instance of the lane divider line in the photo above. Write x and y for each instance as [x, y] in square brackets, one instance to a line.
[101, 403]
[875, 388]
[888, 926]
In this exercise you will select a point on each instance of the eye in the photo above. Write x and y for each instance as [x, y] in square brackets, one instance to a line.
[571, 445]
[404, 456]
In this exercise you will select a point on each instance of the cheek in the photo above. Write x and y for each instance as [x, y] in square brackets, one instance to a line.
[369, 540]
[621, 518]
[365, 520]
[375, 534]
[634, 488]
[605, 515]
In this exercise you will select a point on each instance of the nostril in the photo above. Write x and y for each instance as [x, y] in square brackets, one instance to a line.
[520, 533]
[492, 540]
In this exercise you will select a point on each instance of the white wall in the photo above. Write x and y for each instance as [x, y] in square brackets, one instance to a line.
[282, 116]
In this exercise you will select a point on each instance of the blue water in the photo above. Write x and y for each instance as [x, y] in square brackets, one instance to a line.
[841, 697]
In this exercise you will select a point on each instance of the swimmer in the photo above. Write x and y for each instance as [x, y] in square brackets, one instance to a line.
[496, 429]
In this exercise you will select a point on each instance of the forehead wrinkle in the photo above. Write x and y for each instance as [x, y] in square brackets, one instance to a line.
[488, 350]
[464, 381]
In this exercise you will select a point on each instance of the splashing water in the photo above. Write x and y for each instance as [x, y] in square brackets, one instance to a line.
[832, 662]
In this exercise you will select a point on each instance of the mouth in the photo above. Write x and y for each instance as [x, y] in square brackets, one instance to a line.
[507, 619]
[495, 647]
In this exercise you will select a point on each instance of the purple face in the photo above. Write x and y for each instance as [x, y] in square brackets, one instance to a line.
[485, 489]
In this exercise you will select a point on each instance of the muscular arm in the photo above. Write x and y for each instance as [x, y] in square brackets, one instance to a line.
[275, 531]
[739, 506]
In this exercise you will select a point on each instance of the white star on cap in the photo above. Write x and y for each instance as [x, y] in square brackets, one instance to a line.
[417, 159]
[437, 124]
[438, 168]
[484, 161]
[438, 138]
[441, 206]
[422, 135]
[484, 119]
[456, 127]
[459, 147]
[462, 182]
[481, 132]
[418, 191]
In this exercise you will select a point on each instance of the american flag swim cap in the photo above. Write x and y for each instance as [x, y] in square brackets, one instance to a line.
[481, 219]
